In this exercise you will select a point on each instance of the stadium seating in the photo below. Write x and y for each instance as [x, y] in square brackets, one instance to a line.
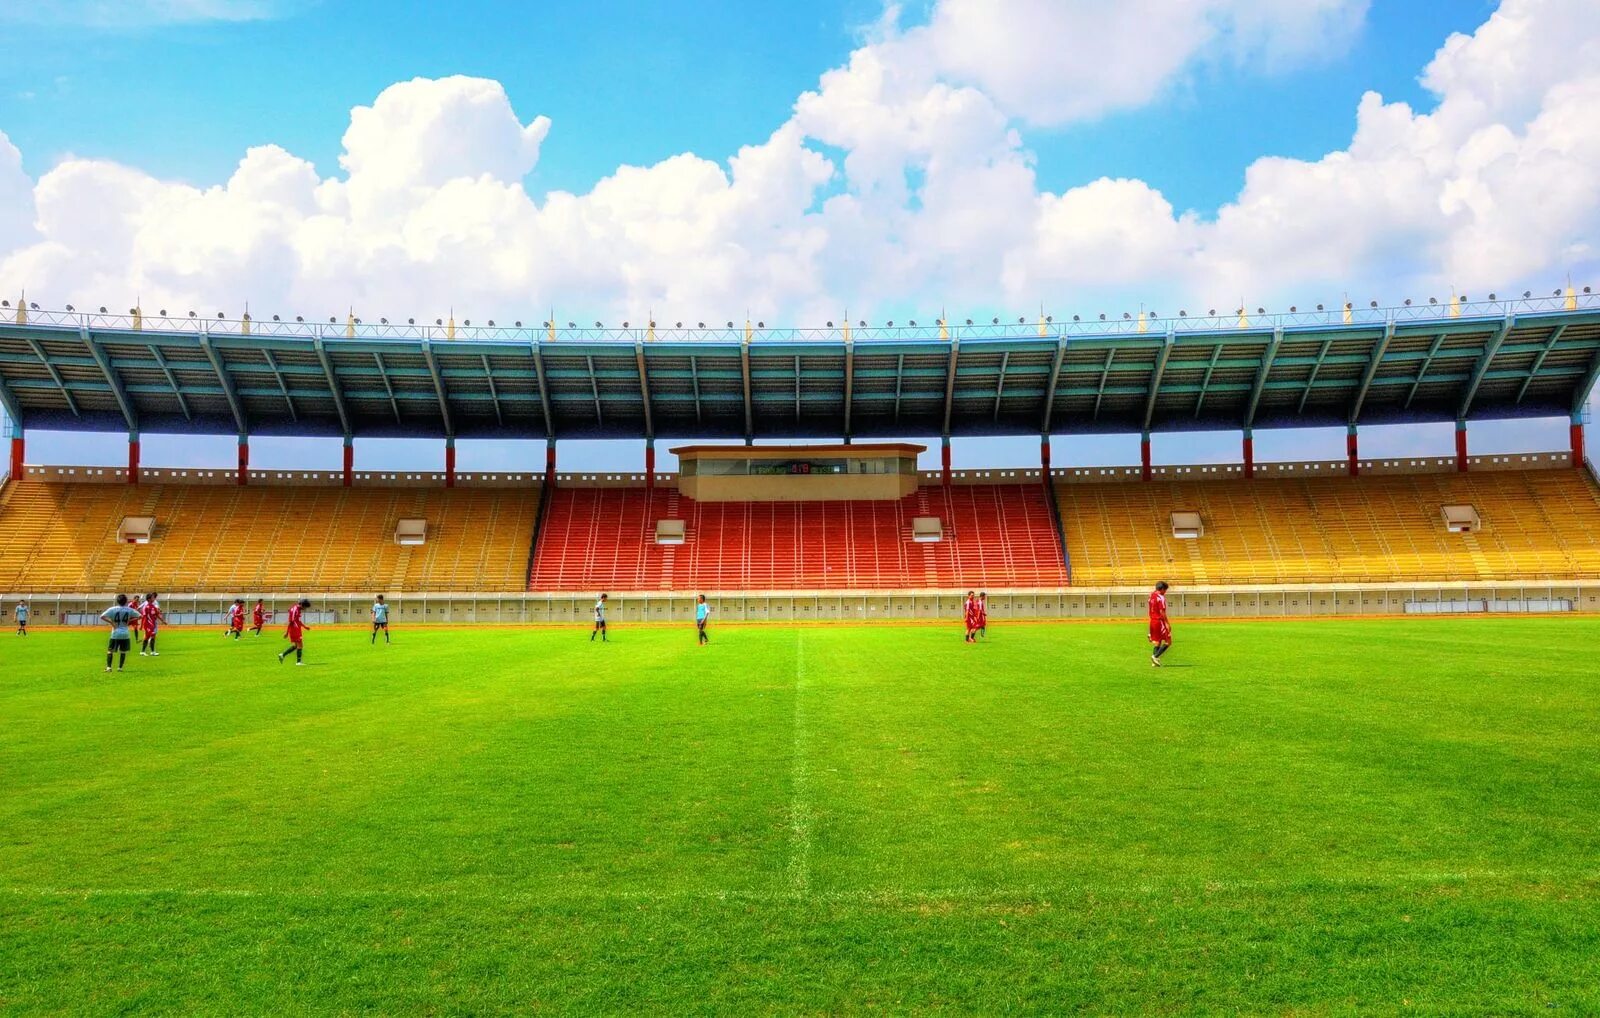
[604, 538]
[62, 537]
[1536, 524]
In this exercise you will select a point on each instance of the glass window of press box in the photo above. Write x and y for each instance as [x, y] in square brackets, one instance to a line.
[692, 467]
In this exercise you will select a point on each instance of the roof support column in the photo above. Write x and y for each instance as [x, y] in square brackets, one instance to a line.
[450, 461]
[649, 465]
[349, 461]
[1577, 442]
[849, 379]
[18, 449]
[1249, 454]
[133, 457]
[244, 460]
[944, 460]
[550, 462]
[1144, 456]
[1044, 457]
[1352, 450]
[744, 368]
[1461, 446]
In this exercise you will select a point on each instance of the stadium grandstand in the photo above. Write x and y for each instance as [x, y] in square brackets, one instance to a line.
[839, 514]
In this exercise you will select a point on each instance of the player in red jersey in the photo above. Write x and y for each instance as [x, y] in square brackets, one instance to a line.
[150, 618]
[235, 619]
[983, 614]
[1160, 625]
[969, 611]
[295, 632]
[258, 617]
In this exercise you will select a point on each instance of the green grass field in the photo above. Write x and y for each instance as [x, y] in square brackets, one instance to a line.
[1302, 818]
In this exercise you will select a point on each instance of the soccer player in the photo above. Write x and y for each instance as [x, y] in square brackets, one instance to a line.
[969, 611]
[1160, 626]
[702, 612]
[150, 617]
[380, 619]
[599, 620]
[295, 633]
[22, 618]
[119, 616]
[258, 616]
[235, 618]
[983, 614]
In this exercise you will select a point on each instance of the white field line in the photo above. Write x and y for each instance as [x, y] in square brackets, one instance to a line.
[1032, 894]
[800, 782]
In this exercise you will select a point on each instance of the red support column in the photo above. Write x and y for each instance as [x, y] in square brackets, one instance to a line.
[1577, 444]
[349, 461]
[244, 460]
[16, 456]
[944, 461]
[1144, 457]
[550, 462]
[1249, 454]
[649, 464]
[133, 459]
[1352, 451]
[450, 462]
[1461, 446]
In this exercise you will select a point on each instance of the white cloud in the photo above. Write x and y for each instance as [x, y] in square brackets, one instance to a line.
[901, 182]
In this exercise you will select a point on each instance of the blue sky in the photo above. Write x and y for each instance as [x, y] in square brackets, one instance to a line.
[178, 90]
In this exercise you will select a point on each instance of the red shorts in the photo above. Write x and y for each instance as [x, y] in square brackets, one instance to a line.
[294, 635]
[1161, 632]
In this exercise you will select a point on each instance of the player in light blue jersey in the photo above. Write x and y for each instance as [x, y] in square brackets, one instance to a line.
[22, 618]
[380, 619]
[119, 616]
[702, 614]
[599, 620]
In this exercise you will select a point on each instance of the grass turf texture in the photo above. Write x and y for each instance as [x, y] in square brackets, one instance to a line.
[1315, 817]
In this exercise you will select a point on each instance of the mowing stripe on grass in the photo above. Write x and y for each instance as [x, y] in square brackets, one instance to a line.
[956, 895]
[800, 783]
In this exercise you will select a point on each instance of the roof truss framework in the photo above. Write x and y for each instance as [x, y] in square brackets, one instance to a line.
[1482, 368]
[172, 380]
[282, 385]
[55, 375]
[61, 377]
[1370, 375]
[494, 392]
[1260, 384]
[1539, 358]
[1311, 380]
[1427, 362]
[333, 387]
[239, 419]
[438, 389]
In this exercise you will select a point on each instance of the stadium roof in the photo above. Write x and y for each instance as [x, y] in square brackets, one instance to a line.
[63, 370]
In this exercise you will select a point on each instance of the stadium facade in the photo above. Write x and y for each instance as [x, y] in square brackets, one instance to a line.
[1052, 541]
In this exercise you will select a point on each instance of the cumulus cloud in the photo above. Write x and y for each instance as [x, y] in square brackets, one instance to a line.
[902, 180]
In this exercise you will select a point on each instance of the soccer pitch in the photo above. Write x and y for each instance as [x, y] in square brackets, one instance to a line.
[1296, 817]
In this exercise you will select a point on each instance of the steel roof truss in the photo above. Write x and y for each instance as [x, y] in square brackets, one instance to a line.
[1433, 351]
[494, 392]
[1200, 400]
[1489, 350]
[383, 375]
[1538, 359]
[66, 394]
[1311, 379]
[272, 362]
